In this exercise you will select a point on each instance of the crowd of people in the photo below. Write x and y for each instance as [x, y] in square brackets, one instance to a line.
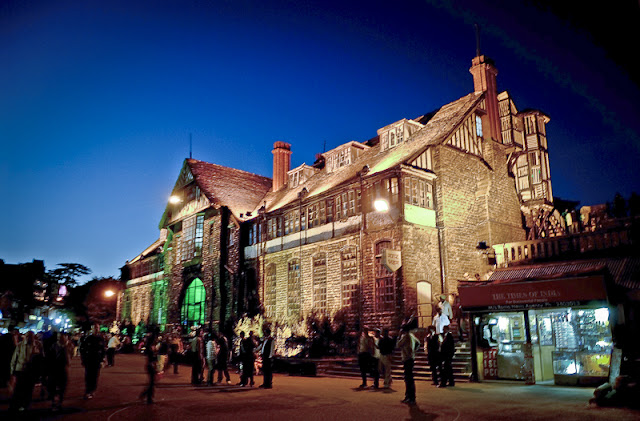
[375, 348]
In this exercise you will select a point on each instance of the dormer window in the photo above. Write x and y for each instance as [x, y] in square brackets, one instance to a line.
[300, 175]
[343, 155]
[396, 133]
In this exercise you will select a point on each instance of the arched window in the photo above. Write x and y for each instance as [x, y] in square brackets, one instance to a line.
[293, 289]
[320, 282]
[193, 305]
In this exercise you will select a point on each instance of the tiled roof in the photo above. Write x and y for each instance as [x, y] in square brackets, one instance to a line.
[238, 190]
[438, 127]
[625, 271]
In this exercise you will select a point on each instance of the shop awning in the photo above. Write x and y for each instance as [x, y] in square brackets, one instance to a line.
[531, 294]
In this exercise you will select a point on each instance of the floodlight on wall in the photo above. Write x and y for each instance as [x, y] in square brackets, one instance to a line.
[174, 200]
[381, 205]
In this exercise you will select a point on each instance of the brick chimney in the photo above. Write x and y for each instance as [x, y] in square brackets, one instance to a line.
[281, 163]
[484, 80]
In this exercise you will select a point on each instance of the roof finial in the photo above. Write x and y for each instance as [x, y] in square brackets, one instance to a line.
[477, 39]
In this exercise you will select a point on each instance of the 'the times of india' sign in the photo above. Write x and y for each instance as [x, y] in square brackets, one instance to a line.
[392, 259]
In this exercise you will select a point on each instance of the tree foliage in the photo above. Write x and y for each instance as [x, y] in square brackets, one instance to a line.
[68, 273]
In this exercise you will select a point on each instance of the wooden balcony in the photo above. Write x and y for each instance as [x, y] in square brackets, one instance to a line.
[564, 247]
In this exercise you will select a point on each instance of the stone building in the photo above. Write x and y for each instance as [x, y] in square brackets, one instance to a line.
[374, 230]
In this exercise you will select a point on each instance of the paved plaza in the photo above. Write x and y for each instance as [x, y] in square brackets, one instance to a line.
[310, 398]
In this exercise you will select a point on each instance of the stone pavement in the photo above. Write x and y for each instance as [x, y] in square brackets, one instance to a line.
[307, 398]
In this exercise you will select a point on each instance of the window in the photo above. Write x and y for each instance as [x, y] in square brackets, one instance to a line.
[535, 175]
[349, 274]
[292, 222]
[313, 220]
[466, 137]
[274, 227]
[192, 233]
[384, 288]
[293, 289]
[479, 126]
[270, 290]
[320, 282]
[534, 158]
[193, 304]
[418, 193]
[339, 207]
[231, 231]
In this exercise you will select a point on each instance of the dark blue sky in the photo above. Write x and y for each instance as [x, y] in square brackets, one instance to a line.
[98, 98]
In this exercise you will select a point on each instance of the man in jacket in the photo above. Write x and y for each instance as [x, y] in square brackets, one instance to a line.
[386, 344]
[268, 347]
[91, 354]
[447, 350]
[408, 345]
[432, 348]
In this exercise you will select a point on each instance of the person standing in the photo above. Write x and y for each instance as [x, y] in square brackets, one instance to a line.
[211, 353]
[58, 357]
[150, 353]
[112, 347]
[22, 369]
[445, 306]
[91, 355]
[386, 345]
[408, 345]
[447, 350]
[198, 357]
[222, 360]
[432, 348]
[375, 359]
[247, 346]
[268, 347]
[365, 351]
[440, 320]
[176, 348]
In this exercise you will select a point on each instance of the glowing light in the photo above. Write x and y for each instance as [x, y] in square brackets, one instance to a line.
[571, 369]
[62, 291]
[602, 315]
[109, 293]
[381, 205]
[57, 321]
[503, 323]
[174, 200]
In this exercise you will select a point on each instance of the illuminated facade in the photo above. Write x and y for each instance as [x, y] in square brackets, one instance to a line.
[313, 239]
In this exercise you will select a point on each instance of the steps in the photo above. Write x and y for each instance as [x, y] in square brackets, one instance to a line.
[349, 367]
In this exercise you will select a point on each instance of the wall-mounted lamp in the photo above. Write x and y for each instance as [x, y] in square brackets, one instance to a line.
[381, 205]
[174, 200]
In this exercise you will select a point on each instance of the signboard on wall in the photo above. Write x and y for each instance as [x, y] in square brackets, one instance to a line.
[532, 294]
[392, 259]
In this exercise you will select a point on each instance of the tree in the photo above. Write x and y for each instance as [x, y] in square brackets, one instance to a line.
[68, 273]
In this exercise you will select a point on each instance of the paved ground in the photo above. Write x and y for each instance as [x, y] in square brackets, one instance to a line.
[305, 398]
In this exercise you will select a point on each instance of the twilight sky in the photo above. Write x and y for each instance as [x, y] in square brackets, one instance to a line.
[98, 99]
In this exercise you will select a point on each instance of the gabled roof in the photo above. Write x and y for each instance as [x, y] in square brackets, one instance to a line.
[437, 128]
[152, 249]
[238, 190]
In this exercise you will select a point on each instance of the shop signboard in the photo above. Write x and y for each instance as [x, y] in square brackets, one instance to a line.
[392, 259]
[566, 292]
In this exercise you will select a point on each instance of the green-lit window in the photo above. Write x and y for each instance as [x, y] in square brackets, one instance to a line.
[193, 305]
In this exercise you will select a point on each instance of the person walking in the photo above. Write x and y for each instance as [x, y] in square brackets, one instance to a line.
[365, 351]
[211, 354]
[408, 345]
[432, 349]
[247, 346]
[112, 347]
[21, 369]
[151, 361]
[386, 344]
[447, 350]
[268, 347]
[58, 357]
[222, 360]
[91, 354]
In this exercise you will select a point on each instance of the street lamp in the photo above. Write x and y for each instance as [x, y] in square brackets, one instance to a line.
[109, 293]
